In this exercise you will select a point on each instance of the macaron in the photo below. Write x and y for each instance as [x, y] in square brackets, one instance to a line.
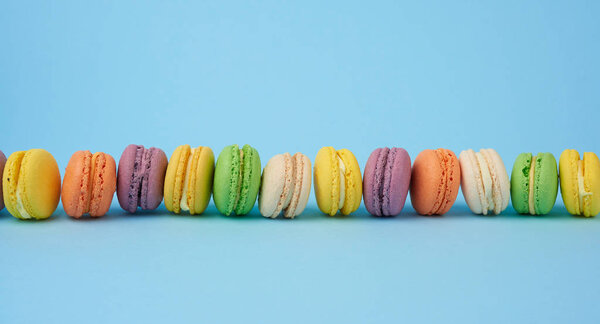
[534, 183]
[434, 182]
[140, 177]
[386, 181]
[580, 183]
[89, 184]
[237, 179]
[2, 163]
[31, 182]
[285, 185]
[484, 181]
[189, 179]
[338, 183]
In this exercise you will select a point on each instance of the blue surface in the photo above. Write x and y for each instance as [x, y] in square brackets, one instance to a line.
[516, 76]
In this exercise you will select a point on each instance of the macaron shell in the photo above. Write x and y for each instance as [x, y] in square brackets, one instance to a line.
[125, 176]
[2, 163]
[10, 177]
[327, 180]
[372, 178]
[302, 187]
[592, 183]
[546, 183]
[569, 187]
[204, 179]
[471, 184]
[399, 174]
[104, 184]
[155, 180]
[500, 179]
[75, 194]
[250, 181]
[452, 173]
[38, 183]
[175, 177]
[519, 183]
[226, 179]
[189, 193]
[353, 179]
[272, 183]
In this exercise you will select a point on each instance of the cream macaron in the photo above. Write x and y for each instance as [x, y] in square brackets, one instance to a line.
[285, 185]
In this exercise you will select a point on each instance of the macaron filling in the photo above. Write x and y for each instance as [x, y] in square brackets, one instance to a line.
[342, 169]
[493, 161]
[184, 203]
[443, 191]
[583, 193]
[531, 187]
[238, 189]
[297, 183]
[21, 206]
[139, 185]
[95, 183]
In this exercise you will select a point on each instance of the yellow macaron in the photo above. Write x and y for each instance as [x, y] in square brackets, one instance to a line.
[189, 179]
[31, 182]
[338, 181]
[580, 182]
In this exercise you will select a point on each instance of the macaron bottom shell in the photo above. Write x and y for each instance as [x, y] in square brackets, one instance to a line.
[2, 164]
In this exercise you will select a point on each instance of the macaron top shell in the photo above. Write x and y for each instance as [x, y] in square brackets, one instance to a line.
[386, 181]
[31, 182]
[2, 163]
[89, 184]
[327, 180]
[140, 177]
[534, 183]
[435, 181]
[237, 179]
[484, 181]
[580, 182]
[338, 181]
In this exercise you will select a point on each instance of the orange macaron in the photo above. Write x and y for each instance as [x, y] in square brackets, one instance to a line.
[89, 184]
[435, 181]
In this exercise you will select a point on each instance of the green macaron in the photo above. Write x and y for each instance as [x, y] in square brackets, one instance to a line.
[534, 183]
[237, 180]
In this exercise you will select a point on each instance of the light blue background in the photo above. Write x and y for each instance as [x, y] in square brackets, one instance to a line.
[517, 76]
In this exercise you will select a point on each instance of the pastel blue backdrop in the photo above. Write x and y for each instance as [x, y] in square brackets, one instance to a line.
[517, 76]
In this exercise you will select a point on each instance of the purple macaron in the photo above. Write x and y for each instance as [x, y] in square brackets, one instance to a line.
[141, 177]
[2, 163]
[386, 181]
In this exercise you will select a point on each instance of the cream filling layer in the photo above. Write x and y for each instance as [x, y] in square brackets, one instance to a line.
[21, 206]
[581, 187]
[486, 179]
[240, 178]
[342, 168]
[183, 203]
[531, 188]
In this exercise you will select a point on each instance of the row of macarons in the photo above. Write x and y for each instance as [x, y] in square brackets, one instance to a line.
[31, 182]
